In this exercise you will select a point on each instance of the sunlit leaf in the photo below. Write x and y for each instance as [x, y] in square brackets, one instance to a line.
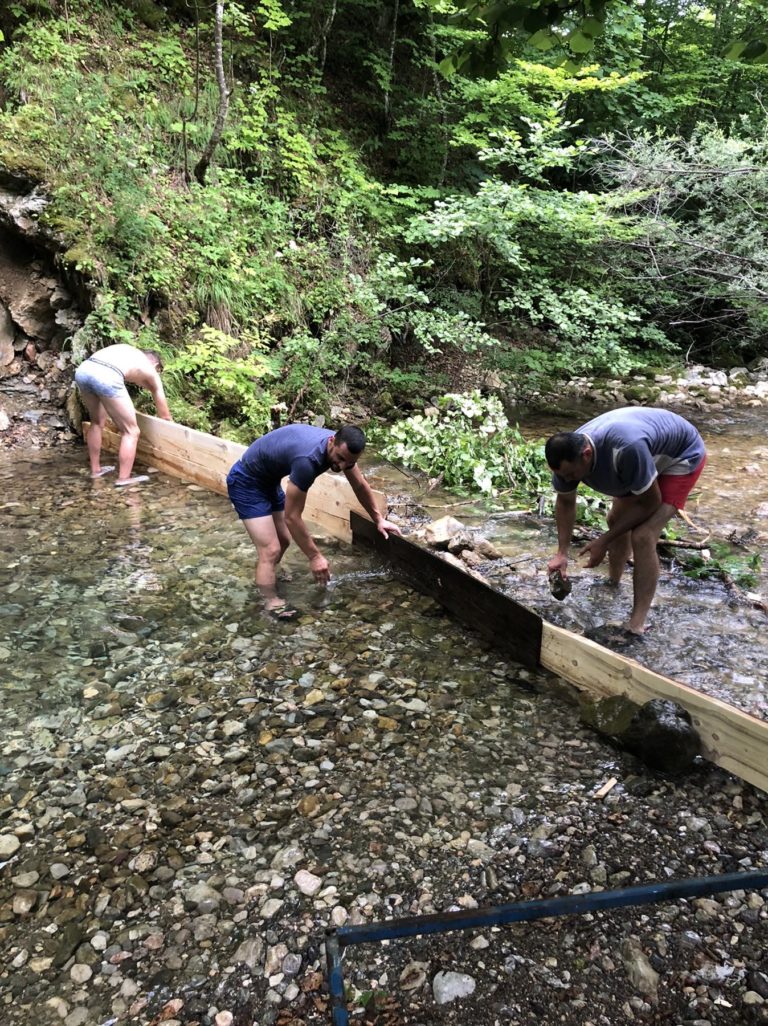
[447, 66]
[735, 50]
[544, 39]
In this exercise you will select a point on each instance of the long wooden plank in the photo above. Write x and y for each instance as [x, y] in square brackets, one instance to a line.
[509, 625]
[730, 738]
[204, 459]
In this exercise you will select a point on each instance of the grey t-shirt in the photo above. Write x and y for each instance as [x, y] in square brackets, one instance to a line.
[633, 446]
[298, 450]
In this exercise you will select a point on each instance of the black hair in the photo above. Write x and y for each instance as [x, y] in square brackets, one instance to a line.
[352, 437]
[155, 357]
[567, 445]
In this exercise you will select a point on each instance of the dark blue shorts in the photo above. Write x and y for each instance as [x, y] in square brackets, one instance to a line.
[252, 496]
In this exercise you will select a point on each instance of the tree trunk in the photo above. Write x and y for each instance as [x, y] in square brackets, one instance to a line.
[201, 168]
[391, 69]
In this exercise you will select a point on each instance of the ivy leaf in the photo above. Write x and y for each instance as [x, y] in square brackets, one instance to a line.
[544, 39]
[592, 27]
[580, 43]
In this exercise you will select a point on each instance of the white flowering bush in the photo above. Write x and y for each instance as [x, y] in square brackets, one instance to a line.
[468, 440]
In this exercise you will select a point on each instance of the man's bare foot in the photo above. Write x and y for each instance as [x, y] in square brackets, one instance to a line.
[139, 479]
[102, 472]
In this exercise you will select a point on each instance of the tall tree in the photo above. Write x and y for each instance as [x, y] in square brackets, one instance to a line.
[201, 168]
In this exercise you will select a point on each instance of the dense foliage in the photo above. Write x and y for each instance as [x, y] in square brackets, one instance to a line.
[309, 203]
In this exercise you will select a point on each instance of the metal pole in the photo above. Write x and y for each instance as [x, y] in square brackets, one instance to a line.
[518, 912]
[335, 978]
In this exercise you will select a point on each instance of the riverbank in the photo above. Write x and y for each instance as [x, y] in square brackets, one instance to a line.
[695, 386]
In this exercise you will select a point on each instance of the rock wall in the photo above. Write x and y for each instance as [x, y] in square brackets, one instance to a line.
[40, 312]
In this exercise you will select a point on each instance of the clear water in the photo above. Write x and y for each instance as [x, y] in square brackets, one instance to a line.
[91, 574]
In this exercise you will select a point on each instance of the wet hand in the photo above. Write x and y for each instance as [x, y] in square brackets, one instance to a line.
[387, 528]
[596, 551]
[558, 562]
[320, 569]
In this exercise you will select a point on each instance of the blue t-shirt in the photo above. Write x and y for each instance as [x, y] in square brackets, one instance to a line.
[299, 450]
[633, 446]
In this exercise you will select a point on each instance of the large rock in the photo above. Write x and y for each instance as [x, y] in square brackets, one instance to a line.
[439, 533]
[7, 335]
[660, 732]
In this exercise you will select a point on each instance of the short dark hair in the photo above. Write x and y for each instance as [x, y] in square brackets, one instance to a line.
[352, 437]
[155, 357]
[567, 445]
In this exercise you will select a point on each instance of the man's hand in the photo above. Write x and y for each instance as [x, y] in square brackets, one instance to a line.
[166, 416]
[320, 569]
[558, 562]
[387, 528]
[596, 550]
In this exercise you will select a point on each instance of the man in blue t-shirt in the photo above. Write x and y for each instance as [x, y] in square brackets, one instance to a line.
[648, 461]
[272, 517]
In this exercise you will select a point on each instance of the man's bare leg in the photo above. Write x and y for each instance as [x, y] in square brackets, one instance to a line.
[271, 538]
[123, 415]
[646, 574]
[620, 550]
[97, 415]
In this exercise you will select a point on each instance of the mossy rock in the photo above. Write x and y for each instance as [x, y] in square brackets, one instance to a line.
[640, 393]
[18, 169]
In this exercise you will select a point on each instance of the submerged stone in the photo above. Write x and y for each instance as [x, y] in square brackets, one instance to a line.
[660, 732]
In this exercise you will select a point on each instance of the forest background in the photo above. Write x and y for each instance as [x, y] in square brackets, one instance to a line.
[307, 204]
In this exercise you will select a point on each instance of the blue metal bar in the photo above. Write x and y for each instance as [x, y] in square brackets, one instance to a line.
[518, 912]
[335, 978]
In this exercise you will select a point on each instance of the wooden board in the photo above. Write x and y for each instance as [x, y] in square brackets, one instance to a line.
[205, 460]
[510, 626]
[730, 738]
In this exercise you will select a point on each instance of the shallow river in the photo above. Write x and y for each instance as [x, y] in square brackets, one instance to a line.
[192, 793]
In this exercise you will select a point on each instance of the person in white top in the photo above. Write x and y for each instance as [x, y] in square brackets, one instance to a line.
[101, 380]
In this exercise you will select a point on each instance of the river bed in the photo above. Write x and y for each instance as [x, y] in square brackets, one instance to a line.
[192, 793]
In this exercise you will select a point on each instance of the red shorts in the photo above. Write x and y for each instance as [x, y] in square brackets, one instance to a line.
[675, 488]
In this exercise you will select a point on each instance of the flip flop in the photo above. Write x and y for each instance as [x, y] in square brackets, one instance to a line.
[102, 472]
[283, 613]
[139, 479]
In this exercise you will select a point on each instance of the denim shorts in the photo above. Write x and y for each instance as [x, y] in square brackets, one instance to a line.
[252, 496]
[101, 380]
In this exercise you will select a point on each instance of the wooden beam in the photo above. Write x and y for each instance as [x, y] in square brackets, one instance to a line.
[509, 626]
[730, 738]
[205, 460]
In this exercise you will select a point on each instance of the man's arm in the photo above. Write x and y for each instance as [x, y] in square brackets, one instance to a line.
[565, 518]
[632, 513]
[367, 500]
[295, 500]
[150, 380]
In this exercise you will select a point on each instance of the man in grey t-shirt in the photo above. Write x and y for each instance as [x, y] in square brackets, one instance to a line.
[648, 461]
